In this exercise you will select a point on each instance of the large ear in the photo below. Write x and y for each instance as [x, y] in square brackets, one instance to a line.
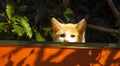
[56, 25]
[81, 26]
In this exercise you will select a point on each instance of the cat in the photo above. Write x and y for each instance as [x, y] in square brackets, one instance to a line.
[68, 32]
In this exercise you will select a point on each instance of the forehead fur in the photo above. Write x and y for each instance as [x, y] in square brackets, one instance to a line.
[69, 28]
[66, 26]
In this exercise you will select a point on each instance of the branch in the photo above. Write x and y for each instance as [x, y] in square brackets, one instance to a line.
[108, 30]
[115, 11]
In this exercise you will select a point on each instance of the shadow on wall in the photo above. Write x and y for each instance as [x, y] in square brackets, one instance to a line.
[38, 56]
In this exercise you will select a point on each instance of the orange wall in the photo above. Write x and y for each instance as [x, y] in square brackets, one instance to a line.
[51, 56]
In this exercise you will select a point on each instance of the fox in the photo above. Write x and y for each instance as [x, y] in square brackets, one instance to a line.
[68, 32]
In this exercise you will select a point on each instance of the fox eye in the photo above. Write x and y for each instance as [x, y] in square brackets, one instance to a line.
[62, 35]
[72, 36]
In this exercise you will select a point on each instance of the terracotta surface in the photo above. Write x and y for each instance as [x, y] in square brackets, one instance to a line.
[51, 56]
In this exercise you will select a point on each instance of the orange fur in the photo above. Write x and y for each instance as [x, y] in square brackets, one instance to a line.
[68, 32]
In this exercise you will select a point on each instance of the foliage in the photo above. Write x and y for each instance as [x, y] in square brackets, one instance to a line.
[67, 12]
[18, 23]
[30, 20]
[38, 35]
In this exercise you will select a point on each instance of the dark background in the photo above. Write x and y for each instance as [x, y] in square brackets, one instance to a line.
[40, 12]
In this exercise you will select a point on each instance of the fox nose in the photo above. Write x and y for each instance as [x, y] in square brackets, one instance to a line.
[66, 40]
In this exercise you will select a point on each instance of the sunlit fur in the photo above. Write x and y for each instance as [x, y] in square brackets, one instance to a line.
[68, 32]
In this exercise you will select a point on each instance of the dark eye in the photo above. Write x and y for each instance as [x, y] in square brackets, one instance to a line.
[72, 36]
[62, 35]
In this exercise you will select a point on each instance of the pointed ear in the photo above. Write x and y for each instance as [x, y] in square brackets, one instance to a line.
[56, 25]
[81, 26]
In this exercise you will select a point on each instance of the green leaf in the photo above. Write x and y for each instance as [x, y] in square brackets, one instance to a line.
[16, 19]
[47, 30]
[3, 27]
[18, 29]
[24, 22]
[2, 14]
[39, 37]
[2, 24]
[51, 34]
[27, 28]
[68, 12]
[37, 34]
[9, 10]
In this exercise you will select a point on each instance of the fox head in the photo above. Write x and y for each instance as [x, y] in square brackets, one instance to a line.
[68, 32]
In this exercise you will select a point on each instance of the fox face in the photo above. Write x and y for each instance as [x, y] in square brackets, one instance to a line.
[68, 32]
